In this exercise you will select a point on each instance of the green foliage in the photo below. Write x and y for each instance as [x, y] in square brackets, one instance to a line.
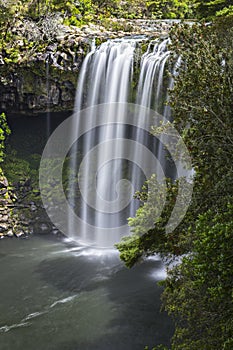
[211, 8]
[149, 234]
[75, 12]
[198, 292]
[170, 9]
[19, 170]
[158, 347]
[130, 251]
[189, 9]
[226, 11]
[202, 99]
[51, 190]
[149, 213]
[4, 132]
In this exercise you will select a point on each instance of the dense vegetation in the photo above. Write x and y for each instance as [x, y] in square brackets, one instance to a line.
[198, 291]
[86, 10]
[4, 132]
[26, 26]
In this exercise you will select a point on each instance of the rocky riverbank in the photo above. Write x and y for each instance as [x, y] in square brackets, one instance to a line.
[20, 216]
[10, 223]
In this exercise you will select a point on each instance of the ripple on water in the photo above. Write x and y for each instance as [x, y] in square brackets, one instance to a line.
[5, 329]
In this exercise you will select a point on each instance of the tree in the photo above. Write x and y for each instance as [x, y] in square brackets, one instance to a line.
[211, 8]
[198, 292]
[170, 9]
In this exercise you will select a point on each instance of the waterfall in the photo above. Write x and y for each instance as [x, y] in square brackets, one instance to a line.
[48, 117]
[109, 162]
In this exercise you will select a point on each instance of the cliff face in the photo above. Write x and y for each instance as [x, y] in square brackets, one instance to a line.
[46, 80]
[42, 73]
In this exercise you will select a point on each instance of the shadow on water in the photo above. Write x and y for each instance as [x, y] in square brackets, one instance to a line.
[134, 292]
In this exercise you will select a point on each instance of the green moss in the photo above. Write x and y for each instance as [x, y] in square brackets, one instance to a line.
[4, 133]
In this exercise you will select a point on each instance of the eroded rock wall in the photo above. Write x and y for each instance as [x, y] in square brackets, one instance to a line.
[46, 80]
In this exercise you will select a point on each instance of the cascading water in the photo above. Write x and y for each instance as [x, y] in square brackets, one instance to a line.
[48, 126]
[149, 95]
[108, 179]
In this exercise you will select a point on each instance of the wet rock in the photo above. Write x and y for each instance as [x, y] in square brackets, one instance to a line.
[4, 202]
[10, 233]
[45, 228]
[3, 182]
[19, 233]
[55, 95]
[66, 96]
[22, 217]
[3, 227]
[3, 191]
[52, 47]
[13, 218]
[33, 207]
[55, 231]
[4, 218]
[1, 61]
[31, 230]
[25, 223]
[31, 102]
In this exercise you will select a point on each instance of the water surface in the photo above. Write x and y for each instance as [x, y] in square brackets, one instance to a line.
[57, 295]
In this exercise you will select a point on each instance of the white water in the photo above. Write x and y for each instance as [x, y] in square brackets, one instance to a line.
[149, 95]
[48, 117]
[107, 187]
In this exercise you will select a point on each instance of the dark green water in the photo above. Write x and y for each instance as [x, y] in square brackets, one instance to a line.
[56, 295]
